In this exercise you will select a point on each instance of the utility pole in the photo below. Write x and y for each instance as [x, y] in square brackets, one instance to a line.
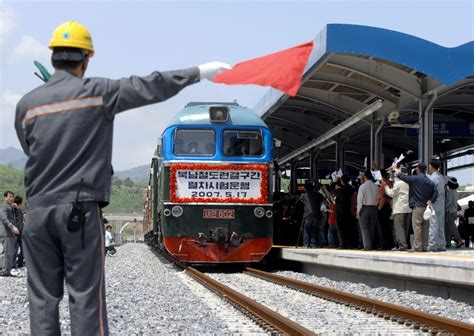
[134, 230]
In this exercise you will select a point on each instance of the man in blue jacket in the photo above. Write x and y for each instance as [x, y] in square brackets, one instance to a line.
[65, 128]
[421, 194]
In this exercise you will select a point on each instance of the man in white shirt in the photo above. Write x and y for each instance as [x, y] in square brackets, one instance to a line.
[401, 210]
[367, 209]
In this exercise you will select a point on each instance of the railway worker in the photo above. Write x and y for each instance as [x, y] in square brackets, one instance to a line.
[420, 194]
[367, 209]
[437, 239]
[401, 210]
[65, 127]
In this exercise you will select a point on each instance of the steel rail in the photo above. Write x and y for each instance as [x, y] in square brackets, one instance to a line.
[263, 316]
[426, 322]
[269, 317]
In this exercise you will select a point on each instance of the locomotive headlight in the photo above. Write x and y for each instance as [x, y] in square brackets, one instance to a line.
[219, 114]
[167, 212]
[269, 213]
[259, 212]
[177, 210]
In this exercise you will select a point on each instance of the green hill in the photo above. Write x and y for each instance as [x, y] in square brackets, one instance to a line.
[137, 174]
[126, 197]
[11, 179]
[12, 157]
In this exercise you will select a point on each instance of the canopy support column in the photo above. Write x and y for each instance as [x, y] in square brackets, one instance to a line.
[276, 174]
[425, 136]
[293, 180]
[314, 170]
[341, 153]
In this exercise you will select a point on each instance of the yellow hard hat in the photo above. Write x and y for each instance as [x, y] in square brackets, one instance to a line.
[73, 35]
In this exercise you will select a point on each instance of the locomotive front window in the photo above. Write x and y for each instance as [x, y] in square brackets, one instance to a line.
[243, 143]
[194, 142]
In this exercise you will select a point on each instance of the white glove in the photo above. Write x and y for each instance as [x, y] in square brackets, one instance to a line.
[209, 70]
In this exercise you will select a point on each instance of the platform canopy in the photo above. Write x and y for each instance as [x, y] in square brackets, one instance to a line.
[360, 78]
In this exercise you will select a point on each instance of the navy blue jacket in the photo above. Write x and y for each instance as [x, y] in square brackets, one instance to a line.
[422, 189]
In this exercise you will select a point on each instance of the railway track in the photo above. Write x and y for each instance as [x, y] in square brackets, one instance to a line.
[276, 323]
[267, 319]
[419, 320]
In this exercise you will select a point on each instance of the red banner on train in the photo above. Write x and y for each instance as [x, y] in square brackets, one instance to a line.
[245, 183]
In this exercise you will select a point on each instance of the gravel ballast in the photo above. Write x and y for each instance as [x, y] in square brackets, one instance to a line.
[434, 305]
[316, 314]
[146, 295]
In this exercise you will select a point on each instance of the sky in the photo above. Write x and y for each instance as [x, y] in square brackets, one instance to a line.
[138, 37]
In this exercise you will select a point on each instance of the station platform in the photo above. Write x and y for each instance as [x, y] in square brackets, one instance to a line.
[444, 274]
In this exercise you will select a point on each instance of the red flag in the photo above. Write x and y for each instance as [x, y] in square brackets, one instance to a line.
[282, 70]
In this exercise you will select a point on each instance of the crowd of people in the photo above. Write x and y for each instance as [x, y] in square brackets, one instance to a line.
[388, 211]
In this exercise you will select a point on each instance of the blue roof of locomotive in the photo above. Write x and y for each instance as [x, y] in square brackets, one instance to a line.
[198, 114]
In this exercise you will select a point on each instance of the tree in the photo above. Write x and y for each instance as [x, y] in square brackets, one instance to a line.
[118, 182]
[128, 182]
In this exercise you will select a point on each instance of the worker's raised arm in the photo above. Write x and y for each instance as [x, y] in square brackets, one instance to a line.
[128, 93]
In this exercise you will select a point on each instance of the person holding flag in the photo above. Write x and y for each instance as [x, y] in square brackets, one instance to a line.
[65, 127]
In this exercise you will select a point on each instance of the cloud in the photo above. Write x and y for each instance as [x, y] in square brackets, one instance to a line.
[137, 154]
[7, 22]
[8, 101]
[29, 49]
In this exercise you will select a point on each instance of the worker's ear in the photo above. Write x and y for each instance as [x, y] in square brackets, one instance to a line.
[85, 63]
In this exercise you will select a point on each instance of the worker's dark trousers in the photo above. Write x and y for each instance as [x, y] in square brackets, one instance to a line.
[53, 254]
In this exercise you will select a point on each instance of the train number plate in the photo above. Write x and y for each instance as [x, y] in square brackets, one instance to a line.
[218, 213]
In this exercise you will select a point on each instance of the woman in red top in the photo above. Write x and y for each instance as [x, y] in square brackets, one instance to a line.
[332, 229]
